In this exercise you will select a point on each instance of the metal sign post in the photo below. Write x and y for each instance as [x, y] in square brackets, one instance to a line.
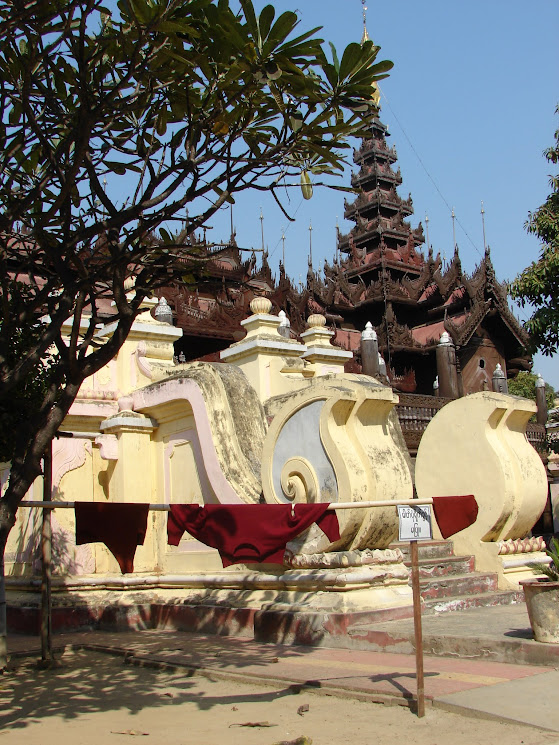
[415, 524]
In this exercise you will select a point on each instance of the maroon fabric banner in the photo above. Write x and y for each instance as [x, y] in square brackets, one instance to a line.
[121, 527]
[249, 533]
[453, 514]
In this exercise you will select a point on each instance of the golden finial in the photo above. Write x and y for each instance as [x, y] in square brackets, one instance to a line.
[365, 36]
[376, 92]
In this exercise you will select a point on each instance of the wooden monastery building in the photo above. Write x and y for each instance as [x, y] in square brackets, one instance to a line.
[380, 276]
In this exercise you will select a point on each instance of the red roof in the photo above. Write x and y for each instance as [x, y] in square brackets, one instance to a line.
[432, 332]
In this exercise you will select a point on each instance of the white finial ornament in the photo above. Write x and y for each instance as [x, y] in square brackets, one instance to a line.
[369, 332]
[498, 371]
[381, 364]
[163, 312]
[284, 319]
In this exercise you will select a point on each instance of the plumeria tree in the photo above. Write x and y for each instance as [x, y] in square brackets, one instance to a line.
[538, 285]
[115, 120]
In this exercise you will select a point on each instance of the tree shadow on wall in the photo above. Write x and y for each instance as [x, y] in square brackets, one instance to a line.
[28, 553]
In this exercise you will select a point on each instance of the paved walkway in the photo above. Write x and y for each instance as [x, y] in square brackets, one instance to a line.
[479, 687]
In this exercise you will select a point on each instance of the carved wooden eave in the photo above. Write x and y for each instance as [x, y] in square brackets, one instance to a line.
[510, 320]
[374, 172]
[221, 323]
[406, 383]
[348, 290]
[484, 283]
[375, 147]
[448, 282]
[387, 287]
[415, 287]
[376, 198]
[461, 334]
[400, 336]
[418, 235]
[367, 234]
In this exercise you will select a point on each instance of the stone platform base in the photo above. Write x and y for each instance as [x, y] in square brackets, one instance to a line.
[297, 623]
[314, 598]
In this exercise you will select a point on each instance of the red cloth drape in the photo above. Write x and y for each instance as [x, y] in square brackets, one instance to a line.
[121, 527]
[249, 533]
[453, 514]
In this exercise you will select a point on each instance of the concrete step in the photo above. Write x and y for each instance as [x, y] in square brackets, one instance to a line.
[426, 549]
[472, 583]
[451, 603]
[429, 568]
[500, 633]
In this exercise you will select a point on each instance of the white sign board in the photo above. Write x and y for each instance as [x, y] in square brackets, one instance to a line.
[414, 522]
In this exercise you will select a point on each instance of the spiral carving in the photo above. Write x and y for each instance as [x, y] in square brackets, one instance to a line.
[299, 482]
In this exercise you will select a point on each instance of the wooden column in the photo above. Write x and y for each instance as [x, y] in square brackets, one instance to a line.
[499, 380]
[446, 367]
[369, 351]
[541, 416]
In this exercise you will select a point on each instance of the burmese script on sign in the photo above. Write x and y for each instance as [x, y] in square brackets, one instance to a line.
[414, 523]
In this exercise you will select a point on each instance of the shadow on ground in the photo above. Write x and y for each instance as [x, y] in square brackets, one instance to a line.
[88, 682]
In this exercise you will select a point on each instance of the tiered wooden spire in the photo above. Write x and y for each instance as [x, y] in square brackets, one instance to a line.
[381, 235]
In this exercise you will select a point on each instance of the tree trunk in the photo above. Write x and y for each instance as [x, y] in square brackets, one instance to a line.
[7, 521]
[3, 618]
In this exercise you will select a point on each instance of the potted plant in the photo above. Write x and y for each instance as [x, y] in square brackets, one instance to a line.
[542, 597]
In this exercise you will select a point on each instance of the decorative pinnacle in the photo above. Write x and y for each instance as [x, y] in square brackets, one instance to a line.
[453, 229]
[261, 305]
[365, 36]
[316, 320]
[163, 312]
[369, 332]
[284, 320]
[498, 371]
[483, 226]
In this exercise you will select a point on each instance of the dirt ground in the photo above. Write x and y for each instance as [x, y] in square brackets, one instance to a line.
[96, 698]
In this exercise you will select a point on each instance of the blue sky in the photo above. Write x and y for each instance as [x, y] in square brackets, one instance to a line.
[470, 107]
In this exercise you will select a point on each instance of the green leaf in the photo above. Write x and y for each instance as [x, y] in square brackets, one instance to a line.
[281, 29]
[296, 121]
[265, 21]
[351, 57]
[335, 58]
[250, 15]
[115, 167]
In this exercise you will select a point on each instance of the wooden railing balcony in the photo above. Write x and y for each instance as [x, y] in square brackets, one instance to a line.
[416, 411]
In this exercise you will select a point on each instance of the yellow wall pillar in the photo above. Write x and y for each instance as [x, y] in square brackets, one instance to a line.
[272, 363]
[132, 479]
[322, 357]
